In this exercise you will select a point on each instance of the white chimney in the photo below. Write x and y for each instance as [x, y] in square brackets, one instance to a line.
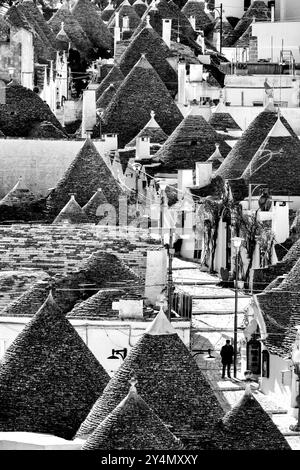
[166, 31]
[272, 13]
[192, 20]
[203, 173]
[142, 149]
[181, 82]
[117, 31]
[185, 179]
[88, 111]
[201, 41]
[196, 71]
[117, 19]
[125, 23]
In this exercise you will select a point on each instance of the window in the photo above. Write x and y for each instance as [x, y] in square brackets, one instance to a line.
[266, 364]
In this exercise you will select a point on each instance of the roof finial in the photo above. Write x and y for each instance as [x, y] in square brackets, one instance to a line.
[248, 390]
[148, 25]
[152, 114]
[133, 381]
[217, 146]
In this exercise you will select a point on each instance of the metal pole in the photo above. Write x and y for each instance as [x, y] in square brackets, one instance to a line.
[235, 316]
[170, 278]
[221, 26]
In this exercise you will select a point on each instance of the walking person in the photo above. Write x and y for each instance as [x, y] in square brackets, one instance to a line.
[226, 355]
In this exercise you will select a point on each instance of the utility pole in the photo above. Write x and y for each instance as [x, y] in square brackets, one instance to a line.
[236, 243]
[221, 26]
[171, 252]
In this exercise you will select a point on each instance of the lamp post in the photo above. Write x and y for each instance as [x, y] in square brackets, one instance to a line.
[120, 352]
[220, 11]
[296, 364]
[209, 356]
[237, 244]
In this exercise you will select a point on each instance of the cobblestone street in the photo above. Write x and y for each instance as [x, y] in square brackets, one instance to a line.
[212, 324]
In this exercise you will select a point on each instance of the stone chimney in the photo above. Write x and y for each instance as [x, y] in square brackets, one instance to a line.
[181, 82]
[142, 149]
[196, 71]
[272, 13]
[185, 180]
[117, 31]
[166, 31]
[203, 173]
[192, 20]
[125, 23]
[89, 115]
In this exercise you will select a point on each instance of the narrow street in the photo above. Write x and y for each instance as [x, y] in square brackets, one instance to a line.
[212, 324]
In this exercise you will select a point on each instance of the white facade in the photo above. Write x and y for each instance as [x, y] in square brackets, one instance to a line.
[248, 90]
[287, 10]
[272, 37]
[100, 336]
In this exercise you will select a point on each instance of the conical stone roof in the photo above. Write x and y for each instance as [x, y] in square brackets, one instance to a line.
[85, 175]
[222, 120]
[72, 28]
[141, 91]
[248, 427]
[107, 12]
[106, 97]
[170, 383]
[258, 10]
[19, 195]
[114, 76]
[71, 214]
[37, 20]
[280, 170]
[140, 7]
[148, 42]
[246, 147]
[129, 11]
[152, 130]
[49, 378]
[62, 39]
[97, 306]
[22, 110]
[180, 23]
[192, 141]
[280, 308]
[132, 425]
[46, 130]
[216, 158]
[196, 9]
[90, 209]
[87, 15]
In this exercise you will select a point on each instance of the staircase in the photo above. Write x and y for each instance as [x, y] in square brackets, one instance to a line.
[286, 57]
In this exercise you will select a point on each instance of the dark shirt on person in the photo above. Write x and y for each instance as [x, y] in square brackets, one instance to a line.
[227, 354]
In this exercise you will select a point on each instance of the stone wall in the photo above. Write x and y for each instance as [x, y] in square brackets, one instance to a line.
[59, 248]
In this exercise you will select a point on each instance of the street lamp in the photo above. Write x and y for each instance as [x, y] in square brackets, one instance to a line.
[237, 241]
[120, 352]
[296, 364]
[209, 356]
